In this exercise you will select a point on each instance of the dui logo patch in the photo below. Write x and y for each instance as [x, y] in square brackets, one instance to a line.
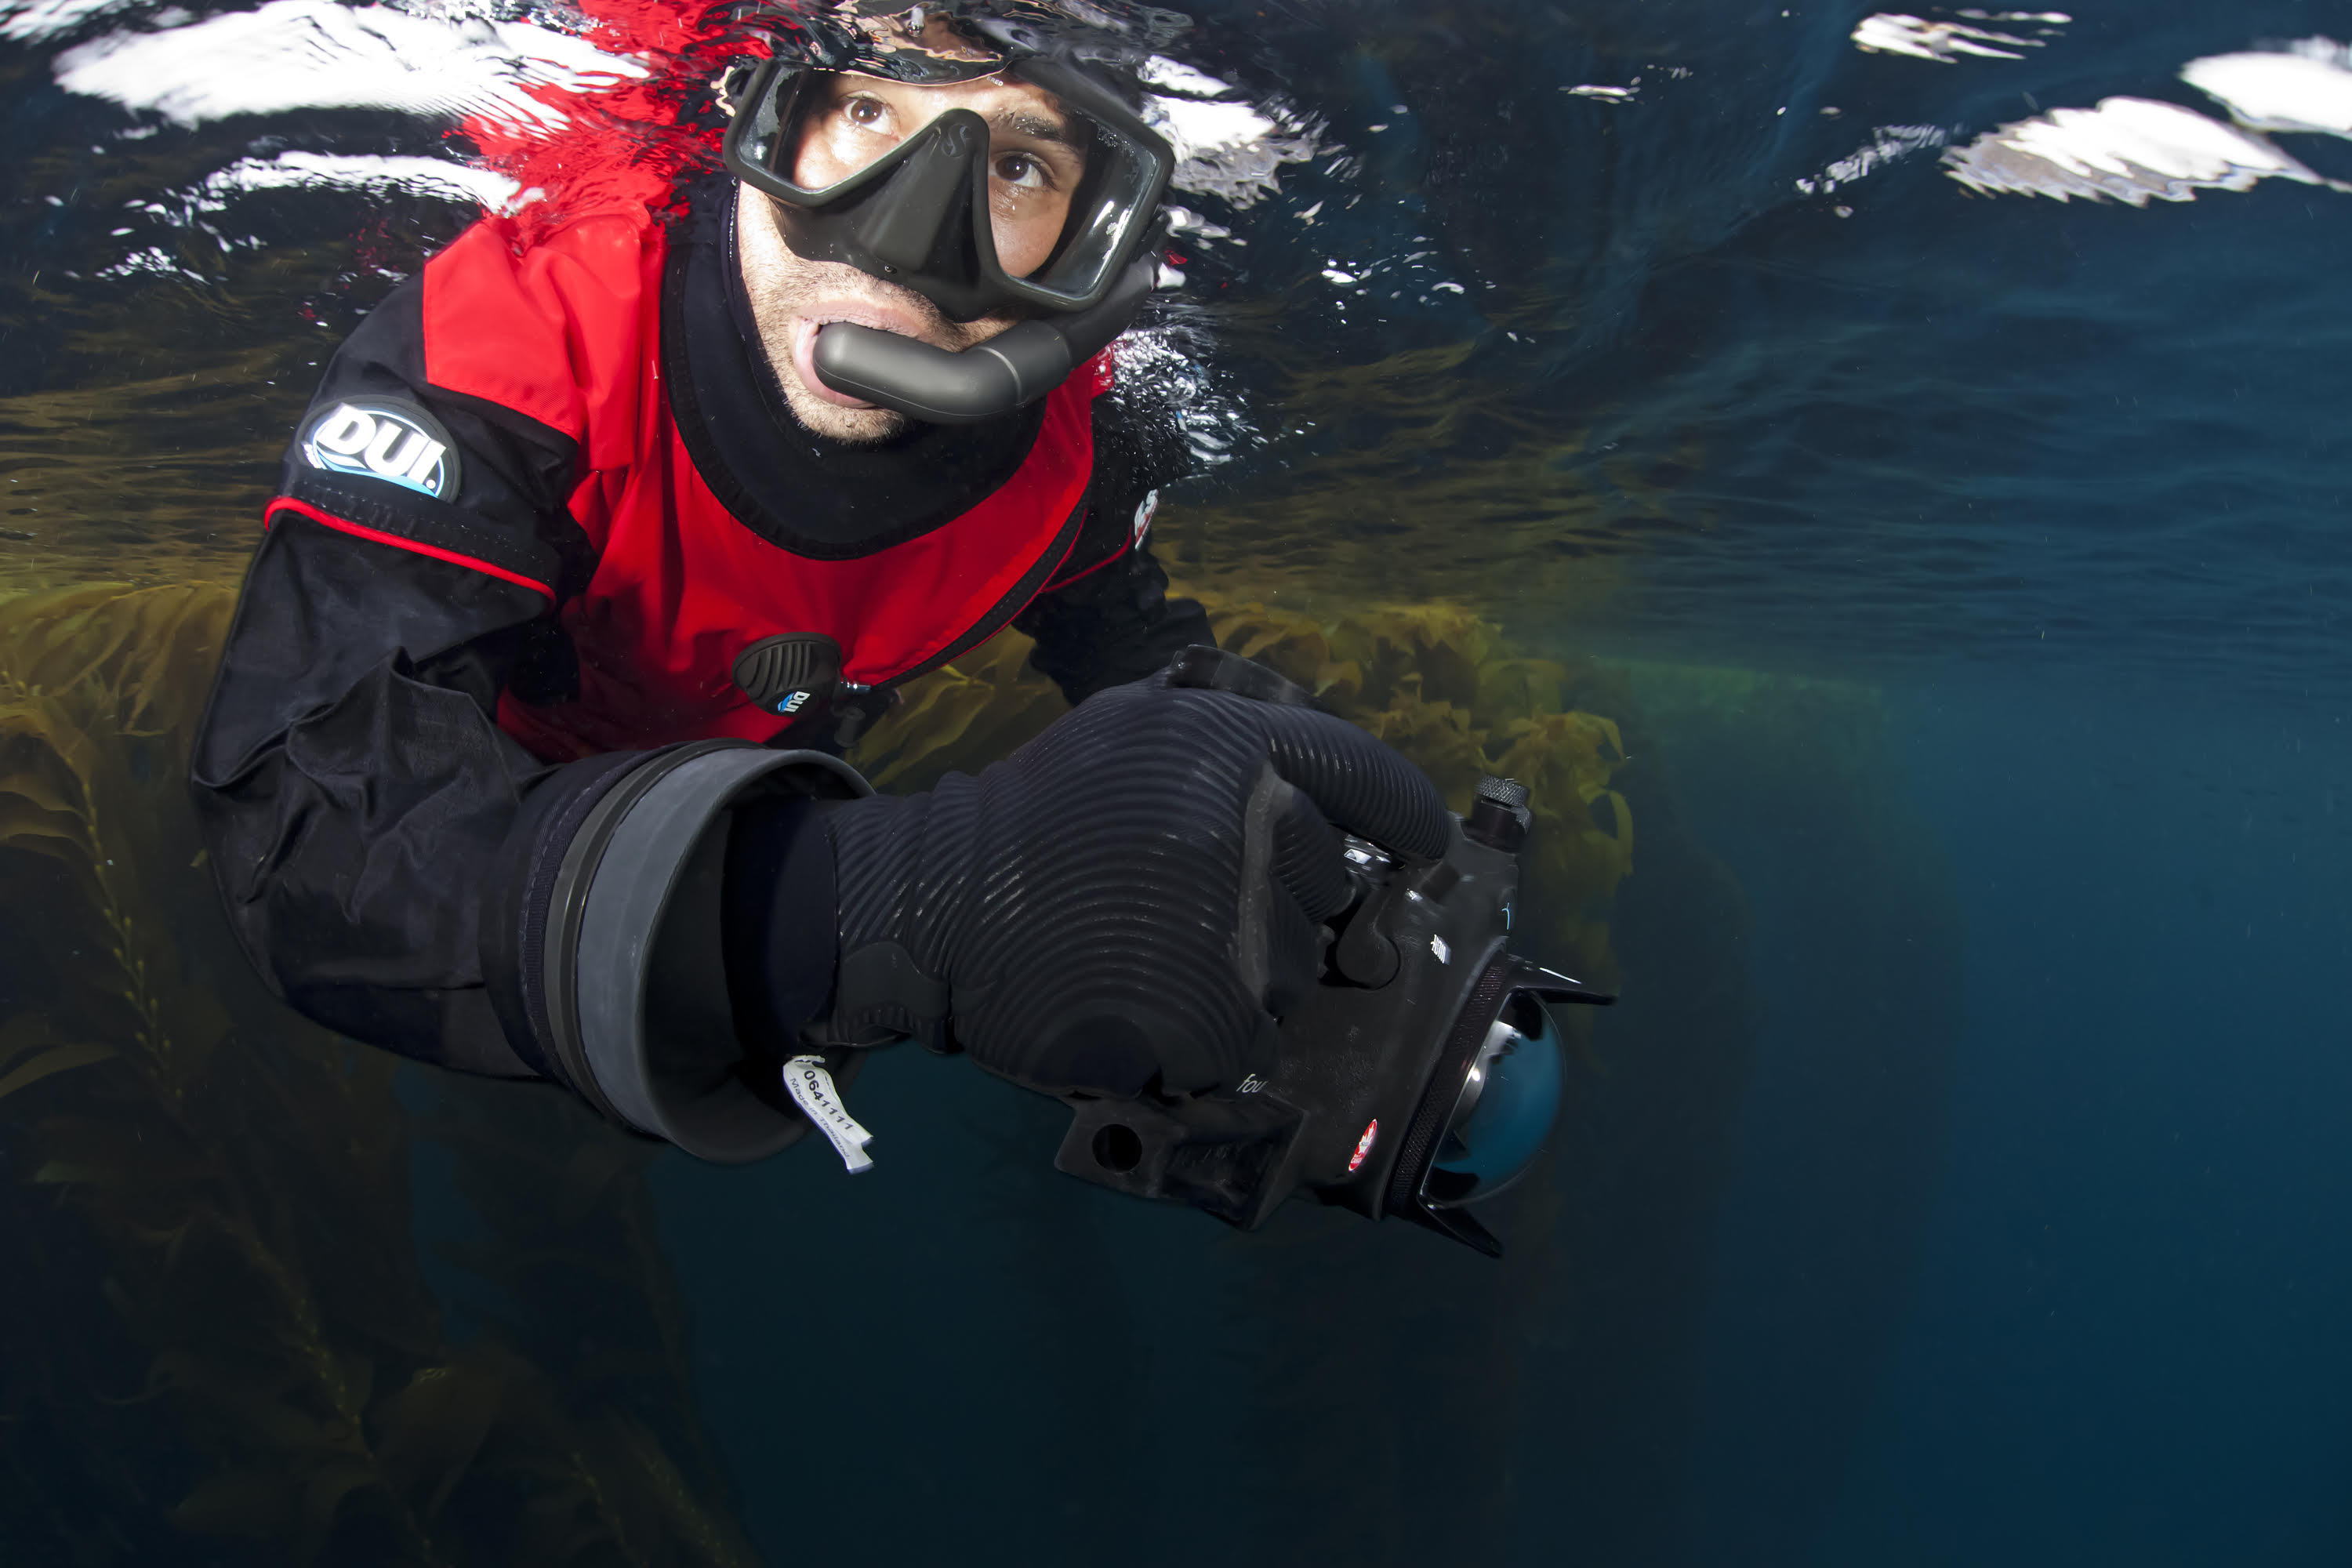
[378, 438]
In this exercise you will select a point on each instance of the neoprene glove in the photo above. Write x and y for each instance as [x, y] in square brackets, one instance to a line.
[1136, 894]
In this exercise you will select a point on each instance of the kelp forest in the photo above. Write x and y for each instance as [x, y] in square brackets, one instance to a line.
[238, 1337]
[235, 1339]
[209, 1201]
[209, 1205]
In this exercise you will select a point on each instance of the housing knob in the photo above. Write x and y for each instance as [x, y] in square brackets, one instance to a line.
[1499, 817]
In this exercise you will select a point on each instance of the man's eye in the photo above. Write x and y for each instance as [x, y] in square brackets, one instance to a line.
[1021, 169]
[865, 113]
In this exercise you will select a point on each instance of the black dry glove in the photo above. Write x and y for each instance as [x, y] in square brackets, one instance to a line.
[1137, 893]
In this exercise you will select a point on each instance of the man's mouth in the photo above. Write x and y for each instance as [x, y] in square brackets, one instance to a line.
[805, 328]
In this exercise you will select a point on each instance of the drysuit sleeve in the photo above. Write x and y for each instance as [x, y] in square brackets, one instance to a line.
[395, 864]
[1105, 618]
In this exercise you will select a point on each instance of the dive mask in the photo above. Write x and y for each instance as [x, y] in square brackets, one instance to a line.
[934, 205]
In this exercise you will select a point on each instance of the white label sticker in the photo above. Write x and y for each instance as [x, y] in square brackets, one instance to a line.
[1144, 511]
[384, 441]
[811, 1087]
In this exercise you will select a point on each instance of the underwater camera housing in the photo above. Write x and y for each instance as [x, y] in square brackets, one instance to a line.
[1420, 1074]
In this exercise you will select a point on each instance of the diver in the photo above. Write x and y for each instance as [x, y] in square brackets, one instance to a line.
[598, 545]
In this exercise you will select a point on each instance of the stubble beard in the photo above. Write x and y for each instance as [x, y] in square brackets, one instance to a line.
[785, 288]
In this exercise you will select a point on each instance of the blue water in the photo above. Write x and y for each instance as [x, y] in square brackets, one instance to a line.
[1967, 1181]
[2120, 1339]
[2183, 1288]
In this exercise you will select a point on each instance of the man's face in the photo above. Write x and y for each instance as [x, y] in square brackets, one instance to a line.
[1036, 157]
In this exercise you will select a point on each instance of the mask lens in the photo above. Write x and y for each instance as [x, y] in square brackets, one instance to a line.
[843, 125]
[1505, 1108]
[1060, 200]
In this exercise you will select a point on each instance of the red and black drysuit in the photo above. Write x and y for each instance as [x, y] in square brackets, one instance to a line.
[481, 650]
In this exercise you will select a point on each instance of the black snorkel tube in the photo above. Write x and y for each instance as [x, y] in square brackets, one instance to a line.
[1019, 366]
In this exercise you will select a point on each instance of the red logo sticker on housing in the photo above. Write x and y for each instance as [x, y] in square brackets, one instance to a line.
[1364, 1144]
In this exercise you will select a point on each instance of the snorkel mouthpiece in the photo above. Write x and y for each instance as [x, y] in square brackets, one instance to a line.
[941, 386]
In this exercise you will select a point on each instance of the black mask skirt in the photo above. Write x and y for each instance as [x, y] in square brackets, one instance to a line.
[817, 497]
